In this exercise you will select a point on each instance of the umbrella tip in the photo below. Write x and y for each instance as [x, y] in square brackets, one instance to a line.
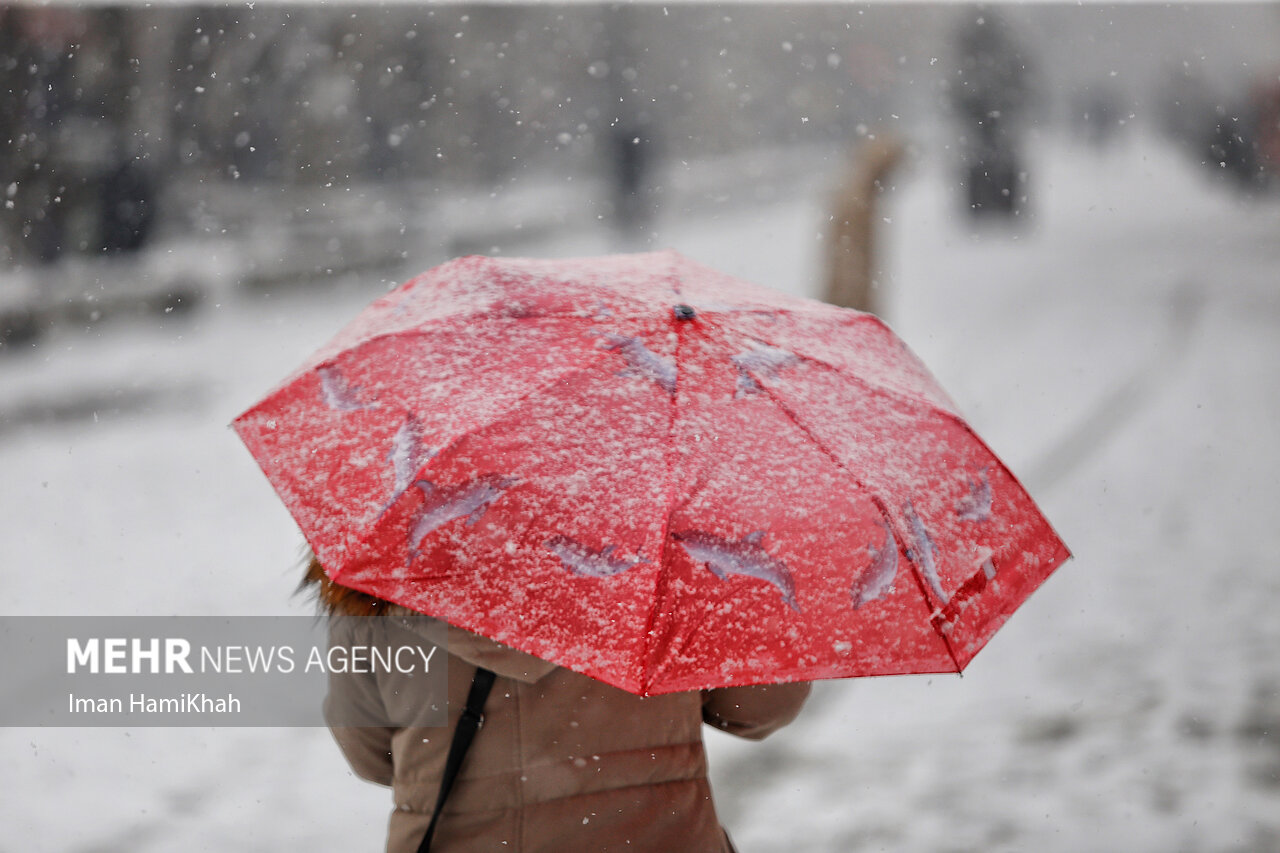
[684, 312]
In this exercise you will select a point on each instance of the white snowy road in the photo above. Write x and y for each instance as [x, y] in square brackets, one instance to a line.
[1121, 355]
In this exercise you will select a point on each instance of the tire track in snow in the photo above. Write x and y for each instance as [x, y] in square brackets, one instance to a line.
[1126, 400]
[76, 407]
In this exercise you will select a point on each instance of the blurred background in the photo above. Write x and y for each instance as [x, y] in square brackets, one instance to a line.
[1072, 213]
[321, 140]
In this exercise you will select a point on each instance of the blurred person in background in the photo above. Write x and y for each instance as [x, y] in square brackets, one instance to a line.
[853, 271]
[991, 95]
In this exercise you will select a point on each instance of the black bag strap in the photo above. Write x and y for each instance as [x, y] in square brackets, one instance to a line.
[468, 724]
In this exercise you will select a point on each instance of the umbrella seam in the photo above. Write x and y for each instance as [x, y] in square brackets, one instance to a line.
[479, 313]
[955, 417]
[786, 302]
[597, 355]
[314, 361]
[669, 505]
[820, 672]
[879, 504]
[791, 416]
[904, 396]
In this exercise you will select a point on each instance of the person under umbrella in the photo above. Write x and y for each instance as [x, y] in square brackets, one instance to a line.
[564, 762]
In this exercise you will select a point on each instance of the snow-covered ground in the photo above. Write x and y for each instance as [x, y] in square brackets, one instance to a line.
[1120, 353]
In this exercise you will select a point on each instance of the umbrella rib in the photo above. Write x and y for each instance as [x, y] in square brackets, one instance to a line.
[909, 399]
[941, 411]
[423, 331]
[906, 397]
[321, 358]
[597, 355]
[668, 507]
[883, 510]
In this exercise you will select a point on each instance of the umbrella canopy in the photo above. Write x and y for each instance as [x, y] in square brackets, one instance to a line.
[652, 473]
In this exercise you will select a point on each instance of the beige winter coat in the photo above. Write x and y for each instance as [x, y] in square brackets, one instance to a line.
[562, 764]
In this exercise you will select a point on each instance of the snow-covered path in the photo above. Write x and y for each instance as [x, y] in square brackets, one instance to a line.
[1121, 355]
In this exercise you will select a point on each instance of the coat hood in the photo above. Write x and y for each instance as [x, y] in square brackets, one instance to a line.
[333, 598]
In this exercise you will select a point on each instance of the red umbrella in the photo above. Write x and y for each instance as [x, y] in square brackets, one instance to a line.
[652, 473]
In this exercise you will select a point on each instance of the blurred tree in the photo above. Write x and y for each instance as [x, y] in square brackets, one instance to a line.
[71, 181]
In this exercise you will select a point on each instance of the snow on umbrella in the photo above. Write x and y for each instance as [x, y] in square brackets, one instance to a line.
[652, 473]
